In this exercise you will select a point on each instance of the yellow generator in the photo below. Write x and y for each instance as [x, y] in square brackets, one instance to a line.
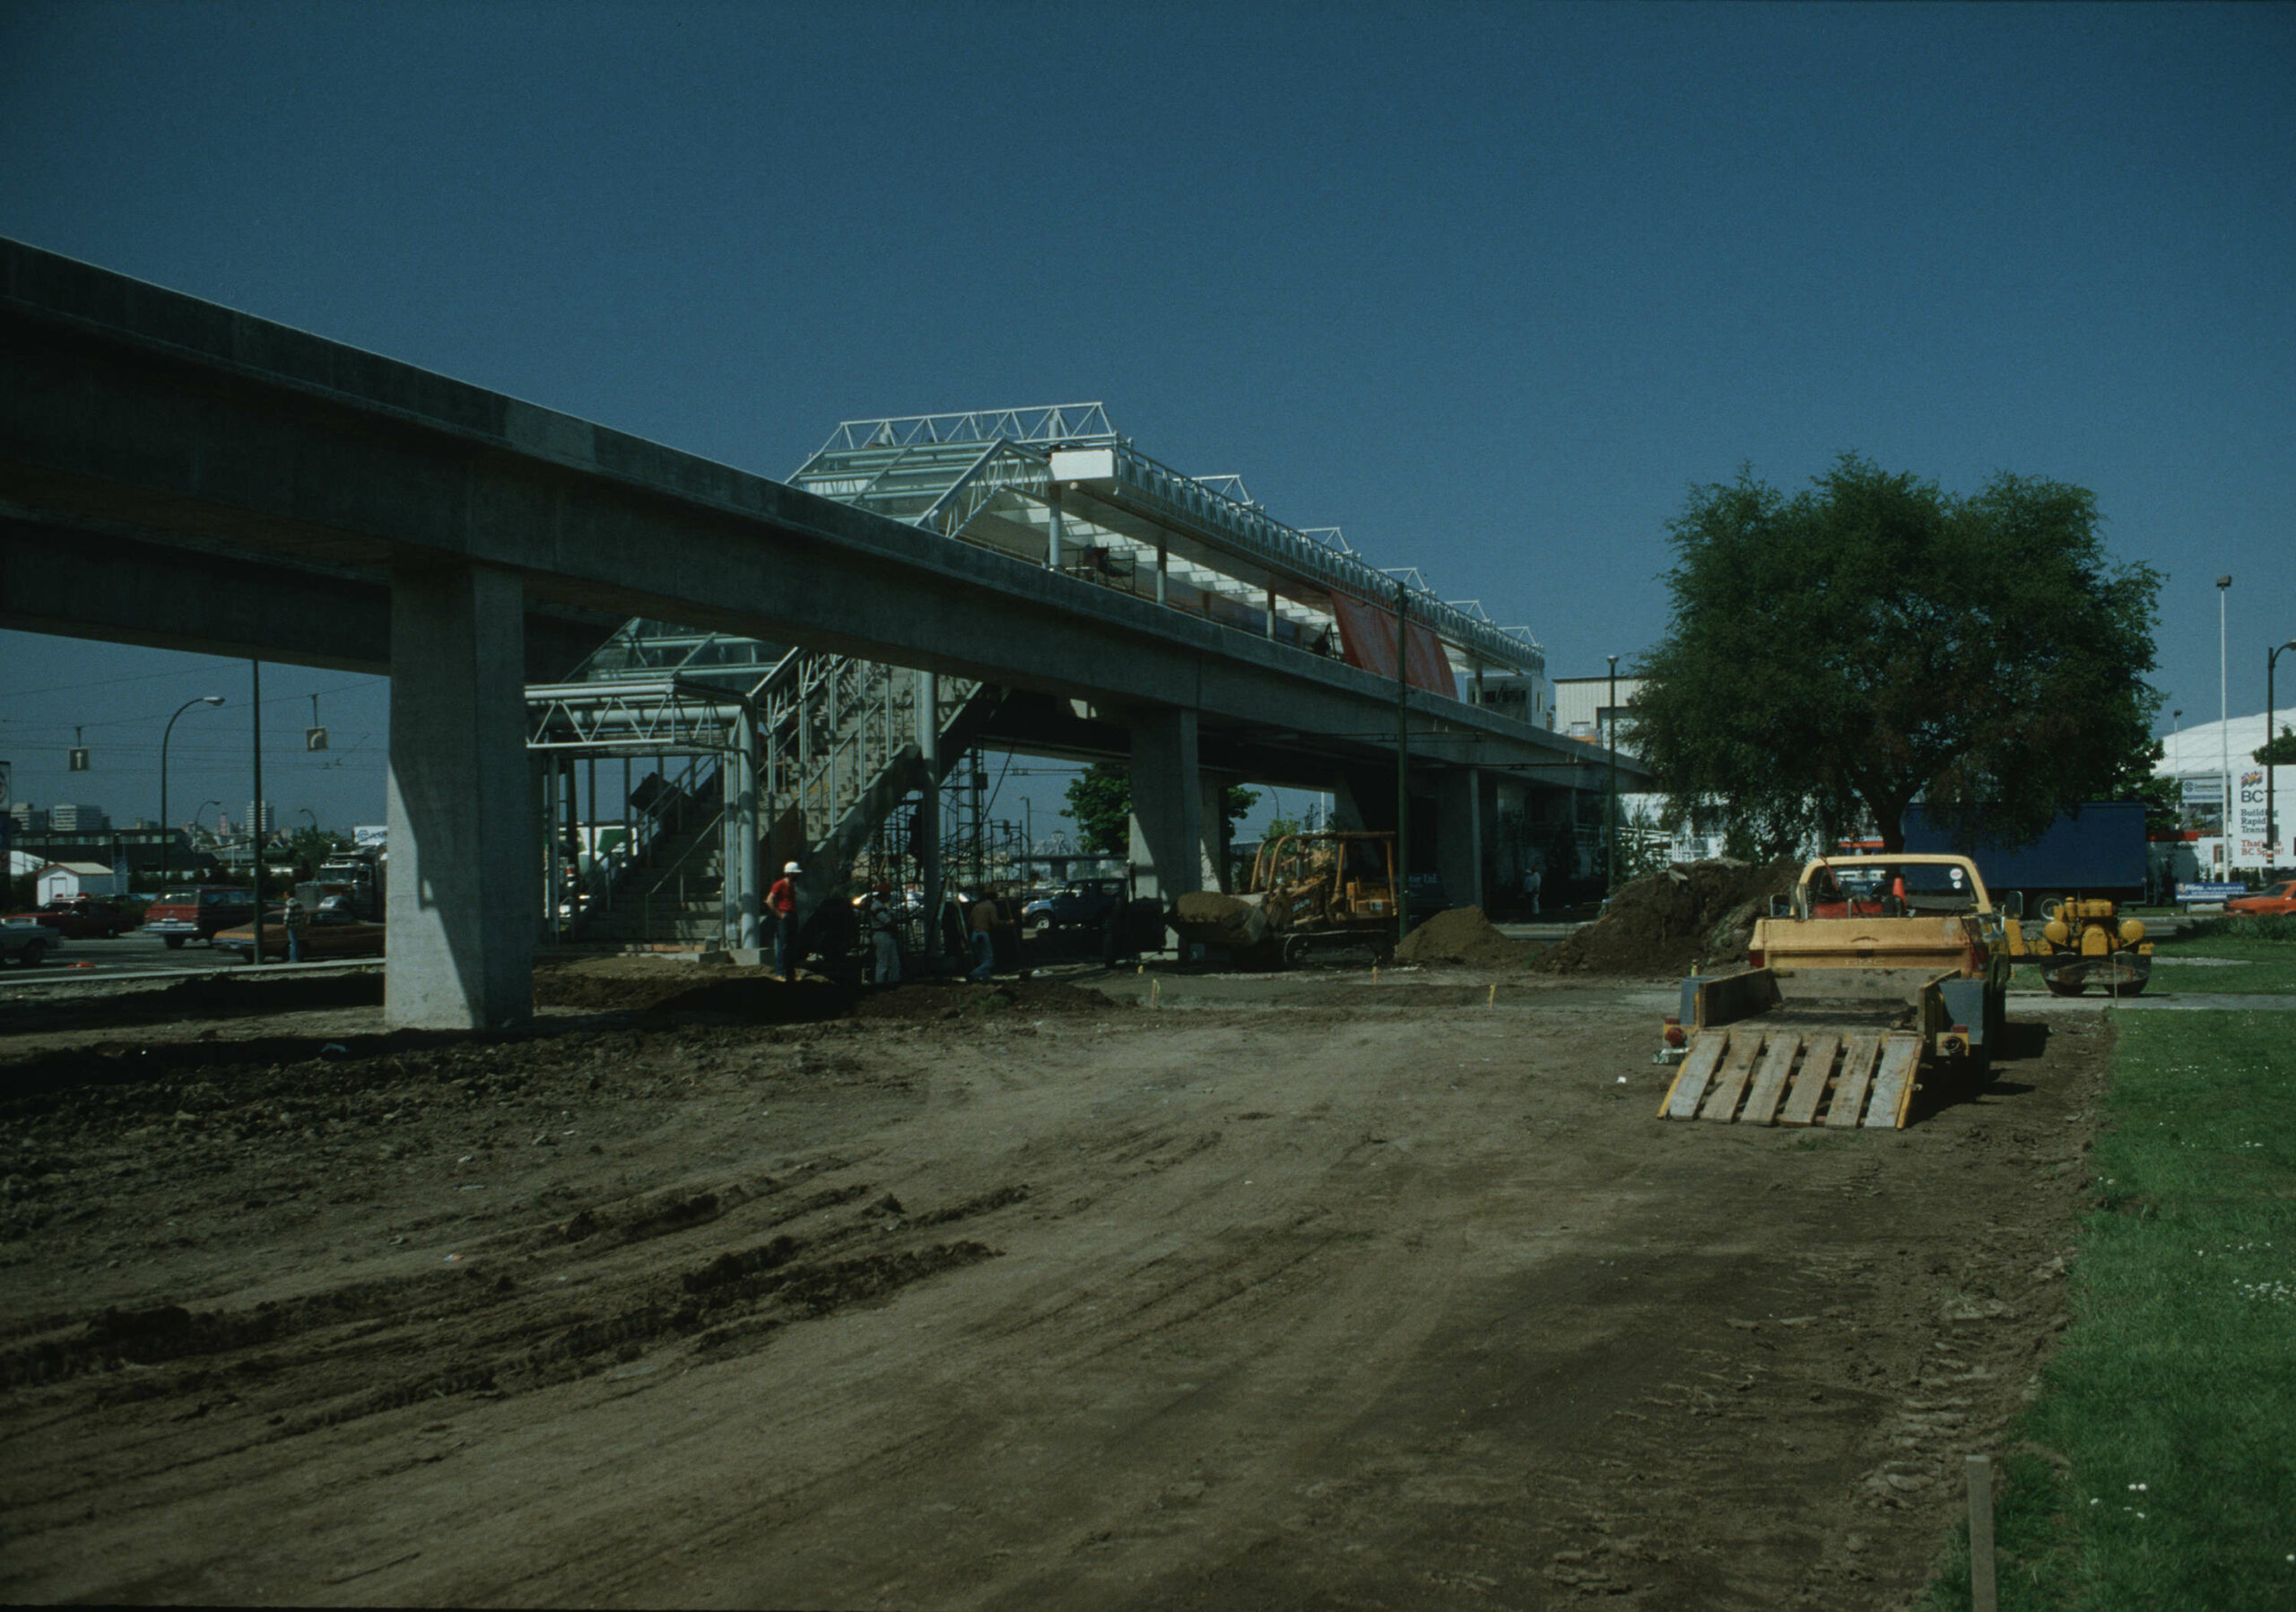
[2085, 941]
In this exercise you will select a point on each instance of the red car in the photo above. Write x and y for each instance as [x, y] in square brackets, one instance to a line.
[87, 918]
[2271, 898]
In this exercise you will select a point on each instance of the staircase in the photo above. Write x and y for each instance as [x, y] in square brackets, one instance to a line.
[839, 753]
[838, 746]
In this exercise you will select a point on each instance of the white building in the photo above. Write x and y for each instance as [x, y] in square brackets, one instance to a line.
[62, 881]
[1582, 709]
[2209, 758]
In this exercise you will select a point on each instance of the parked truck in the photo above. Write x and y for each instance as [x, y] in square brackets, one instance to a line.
[1875, 971]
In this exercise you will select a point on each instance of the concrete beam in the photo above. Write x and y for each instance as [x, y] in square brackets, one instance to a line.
[79, 583]
[463, 898]
[121, 403]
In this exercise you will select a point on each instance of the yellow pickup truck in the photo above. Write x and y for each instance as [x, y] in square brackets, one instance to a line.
[1873, 968]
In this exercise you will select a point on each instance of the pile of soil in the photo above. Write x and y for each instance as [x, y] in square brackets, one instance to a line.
[1462, 935]
[1698, 913]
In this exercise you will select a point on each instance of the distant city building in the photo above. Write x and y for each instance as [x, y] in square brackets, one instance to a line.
[28, 816]
[67, 817]
[270, 816]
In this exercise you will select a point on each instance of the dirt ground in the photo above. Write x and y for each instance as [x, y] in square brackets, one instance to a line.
[1315, 1295]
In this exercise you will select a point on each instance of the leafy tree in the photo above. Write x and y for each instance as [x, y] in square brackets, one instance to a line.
[1099, 803]
[2279, 751]
[1873, 640]
[2163, 798]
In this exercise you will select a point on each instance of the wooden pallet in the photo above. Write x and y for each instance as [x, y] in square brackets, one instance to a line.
[1796, 1076]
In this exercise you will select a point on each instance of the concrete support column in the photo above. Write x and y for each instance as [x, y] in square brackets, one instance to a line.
[1459, 829]
[927, 708]
[1166, 805]
[460, 912]
[1163, 574]
[1054, 532]
[742, 852]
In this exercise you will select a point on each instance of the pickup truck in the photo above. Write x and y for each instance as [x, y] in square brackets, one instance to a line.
[182, 915]
[91, 918]
[26, 943]
[1876, 968]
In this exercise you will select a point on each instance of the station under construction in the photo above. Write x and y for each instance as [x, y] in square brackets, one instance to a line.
[725, 756]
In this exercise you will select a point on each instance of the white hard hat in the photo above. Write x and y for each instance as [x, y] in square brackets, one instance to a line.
[791, 867]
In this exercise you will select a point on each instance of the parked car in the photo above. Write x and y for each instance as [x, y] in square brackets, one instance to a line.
[1085, 903]
[82, 917]
[184, 915]
[2271, 898]
[330, 933]
[26, 942]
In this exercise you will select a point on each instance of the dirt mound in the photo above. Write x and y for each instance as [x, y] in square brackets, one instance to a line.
[1664, 924]
[1462, 935]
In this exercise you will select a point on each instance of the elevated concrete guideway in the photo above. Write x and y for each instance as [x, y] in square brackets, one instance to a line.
[165, 435]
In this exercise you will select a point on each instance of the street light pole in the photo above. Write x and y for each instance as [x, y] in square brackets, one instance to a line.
[2223, 728]
[2271, 715]
[1610, 862]
[166, 734]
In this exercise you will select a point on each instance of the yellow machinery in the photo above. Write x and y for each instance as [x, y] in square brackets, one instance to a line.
[1336, 888]
[2085, 941]
[1874, 966]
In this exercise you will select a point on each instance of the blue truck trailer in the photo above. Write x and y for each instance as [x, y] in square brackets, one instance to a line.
[2095, 849]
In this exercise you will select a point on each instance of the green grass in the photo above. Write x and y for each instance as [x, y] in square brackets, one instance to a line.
[2266, 948]
[2178, 1373]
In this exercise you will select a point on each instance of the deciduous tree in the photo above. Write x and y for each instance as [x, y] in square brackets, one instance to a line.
[1834, 656]
[1099, 803]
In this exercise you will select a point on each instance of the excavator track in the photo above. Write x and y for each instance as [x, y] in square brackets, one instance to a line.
[1773, 1074]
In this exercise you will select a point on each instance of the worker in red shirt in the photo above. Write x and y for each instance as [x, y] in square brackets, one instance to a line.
[781, 900]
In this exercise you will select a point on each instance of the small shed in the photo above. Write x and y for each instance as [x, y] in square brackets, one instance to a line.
[62, 881]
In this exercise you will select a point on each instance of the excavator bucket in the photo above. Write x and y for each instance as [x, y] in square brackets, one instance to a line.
[1783, 1075]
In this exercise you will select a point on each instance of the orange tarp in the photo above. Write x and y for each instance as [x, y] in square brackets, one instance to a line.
[1367, 632]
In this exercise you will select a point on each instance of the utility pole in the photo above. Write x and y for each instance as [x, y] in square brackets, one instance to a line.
[1402, 773]
[255, 828]
[1610, 865]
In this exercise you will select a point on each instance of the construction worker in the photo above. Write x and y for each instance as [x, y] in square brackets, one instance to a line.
[987, 917]
[781, 900]
[883, 923]
[294, 918]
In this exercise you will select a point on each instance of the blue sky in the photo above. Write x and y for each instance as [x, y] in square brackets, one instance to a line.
[1490, 288]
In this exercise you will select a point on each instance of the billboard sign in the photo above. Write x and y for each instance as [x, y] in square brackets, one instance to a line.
[2250, 846]
[364, 834]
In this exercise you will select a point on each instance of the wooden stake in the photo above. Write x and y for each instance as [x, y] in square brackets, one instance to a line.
[1981, 1473]
[1156, 993]
[1493, 1000]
